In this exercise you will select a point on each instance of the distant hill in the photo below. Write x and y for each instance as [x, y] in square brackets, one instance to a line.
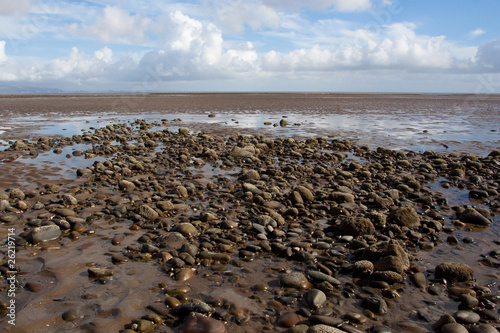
[7, 90]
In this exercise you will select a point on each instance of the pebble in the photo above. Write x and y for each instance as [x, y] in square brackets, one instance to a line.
[453, 328]
[288, 319]
[295, 280]
[324, 329]
[315, 298]
[70, 315]
[466, 317]
[44, 233]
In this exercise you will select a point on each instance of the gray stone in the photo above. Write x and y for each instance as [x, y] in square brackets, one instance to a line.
[357, 226]
[147, 212]
[470, 215]
[482, 328]
[44, 233]
[295, 280]
[453, 328]
[405, 216]
[454, 271]
[320, 277]
[321, 328]
[315, 298]
[125, 185]
[466, 317]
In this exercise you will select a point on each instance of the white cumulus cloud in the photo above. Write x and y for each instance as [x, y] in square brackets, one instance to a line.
[3, 56]
[114, 24]
[475, 33]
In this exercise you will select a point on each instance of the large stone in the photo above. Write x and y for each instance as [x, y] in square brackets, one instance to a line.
[125, 185]
[454, 271]
[315, 298]
[357, 226]
[341, 197]
[165, 205]
[44, 233]
[17, 194]
[405, 216]
[147, 212]
[295, 280]
[390, 263]
[385, 249]
[470, 215]
[305, 193]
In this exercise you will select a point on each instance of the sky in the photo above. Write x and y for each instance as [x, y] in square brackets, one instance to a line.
[145, 46]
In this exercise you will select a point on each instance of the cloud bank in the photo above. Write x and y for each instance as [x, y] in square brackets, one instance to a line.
[180, 47]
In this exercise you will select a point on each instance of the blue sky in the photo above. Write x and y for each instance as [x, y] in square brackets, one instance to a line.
[251, 45]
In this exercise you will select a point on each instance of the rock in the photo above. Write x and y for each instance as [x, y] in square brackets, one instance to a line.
[198, 323]
[144, 325]
[375, 304]
[242, 152]
[453, 328]
[183, 131]
[385, 249]
[320, 277]
[363, 267]
[305, 193]
[97, 272]
[443, 320]
[454, 271]
[482, 328]
[390, 263]
[295, 280]
[325, 320]
[470, 215]
[186, 229]
[357, 226]
[65, 212]
[44, 233]
[165, 205]
[419, 280]
[466, 317]
[125, 185]
[147, 212]
[33, 286]
[468, 302]
[70, 315]
[321, 328]
[356, 318]
[16, 193]
[185, 274]
[288, 319]
[315, 298]
[409, 327]
[405, 216]
[83, 172]
[69, 199]
[197, 307]
[341, 197]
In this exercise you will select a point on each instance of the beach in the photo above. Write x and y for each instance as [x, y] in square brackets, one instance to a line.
[261, 212]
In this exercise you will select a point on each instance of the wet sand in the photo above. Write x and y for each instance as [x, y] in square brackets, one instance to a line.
[247, 287]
